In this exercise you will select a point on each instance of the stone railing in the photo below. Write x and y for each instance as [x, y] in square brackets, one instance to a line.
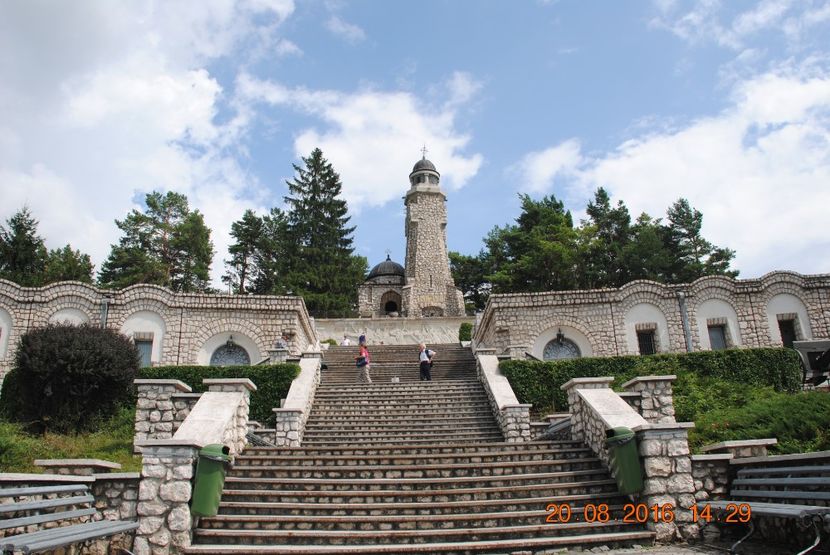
[292, 416]
[155, 409]
[512, 416]
[663, 450]
[164, 518]
[656, 402]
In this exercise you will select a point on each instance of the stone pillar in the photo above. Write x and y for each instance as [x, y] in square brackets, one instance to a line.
[741, 449]
[287, 427]
[656, 399]
[514, 421]
[235, 436]
[571, 387]
[667, 477]
[277, 356]
[155, 411]
[165, 525]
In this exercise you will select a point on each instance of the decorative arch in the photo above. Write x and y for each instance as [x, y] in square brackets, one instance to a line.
[572, 330]
[205, 339]
[70, 315]
[6, 324]
[228, 348]
[146, 322]
[716, 311]
[641, 314]
[787, 306]
[390, 302]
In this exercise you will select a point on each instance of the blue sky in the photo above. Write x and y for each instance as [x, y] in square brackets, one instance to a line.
[724, 103]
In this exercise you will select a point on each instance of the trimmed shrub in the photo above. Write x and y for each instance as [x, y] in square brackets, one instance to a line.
[272, 380]
[539, 382]
[330, 341]
[69, 378]
[465, 332]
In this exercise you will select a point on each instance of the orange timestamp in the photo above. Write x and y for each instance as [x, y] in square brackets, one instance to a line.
[640, 513]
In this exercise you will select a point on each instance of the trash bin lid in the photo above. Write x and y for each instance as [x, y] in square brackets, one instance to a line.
[216, 451]
[619, 435]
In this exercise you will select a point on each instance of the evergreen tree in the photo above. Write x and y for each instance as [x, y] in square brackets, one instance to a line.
[470, 275]
[323, 268]
[167, 245]
[22, 251]
[646, 256]
[692, 255]
[603, 239]
[67, 264]
[273, 255]
[247, 234]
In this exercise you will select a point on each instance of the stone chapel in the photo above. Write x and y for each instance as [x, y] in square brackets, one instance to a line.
[423, 287]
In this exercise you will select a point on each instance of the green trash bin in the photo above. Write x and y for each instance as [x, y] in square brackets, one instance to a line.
[625, 460]
[213, 462]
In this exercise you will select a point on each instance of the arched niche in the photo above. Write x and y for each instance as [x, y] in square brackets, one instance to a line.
[787, 306]
[146, 325]
[6, 323]
[717, 312]
[643, 314]
[570, 334]
[220, 340]
[73, 316]
[390, 302]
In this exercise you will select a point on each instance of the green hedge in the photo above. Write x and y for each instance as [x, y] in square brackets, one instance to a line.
[465, 331]
[539, 382]
[272, 381]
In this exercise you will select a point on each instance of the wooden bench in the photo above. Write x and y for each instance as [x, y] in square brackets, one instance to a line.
[71, 501]
[786, 492]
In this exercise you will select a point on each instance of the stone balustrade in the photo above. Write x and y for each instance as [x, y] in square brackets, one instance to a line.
[656, 397]
[155, 410]
[292, 416]
[512, 416]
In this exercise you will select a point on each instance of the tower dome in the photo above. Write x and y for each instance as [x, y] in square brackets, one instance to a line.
[424, 172]
[387, 268]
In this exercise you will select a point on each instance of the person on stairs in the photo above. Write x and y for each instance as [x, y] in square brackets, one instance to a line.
[362, 362]
[425, 362]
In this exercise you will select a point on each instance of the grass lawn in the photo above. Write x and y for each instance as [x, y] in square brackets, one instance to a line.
[112, 441]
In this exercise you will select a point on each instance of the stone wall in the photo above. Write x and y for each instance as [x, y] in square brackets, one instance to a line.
[393, 331]
[604, 322]
[156, 415]
[513, 417]
[116, 495]
[184, 328]
[293, 415]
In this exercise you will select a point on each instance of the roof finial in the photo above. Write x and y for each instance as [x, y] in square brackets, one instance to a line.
[424, 152]
[388, 254]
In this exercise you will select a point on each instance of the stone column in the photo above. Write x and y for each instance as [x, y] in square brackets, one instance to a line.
[165, 525]
[287, 427]
[667, 477]
[514, 421]
[656, 398]
[571, 387]
[155, 411]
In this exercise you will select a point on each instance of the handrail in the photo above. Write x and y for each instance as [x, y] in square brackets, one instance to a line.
[531, 357]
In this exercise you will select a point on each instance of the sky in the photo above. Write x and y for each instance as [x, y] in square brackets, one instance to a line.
[725, 103]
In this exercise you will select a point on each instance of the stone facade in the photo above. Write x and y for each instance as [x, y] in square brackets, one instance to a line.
[606, 322]
[181, 328]
[426, 287]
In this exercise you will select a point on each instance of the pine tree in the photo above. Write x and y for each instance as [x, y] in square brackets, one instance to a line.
[604, 237]
[247, 234]
[67, 264]
[22, 251]
[692, 255]
[323, 269]
[167, 245]
[273, 256]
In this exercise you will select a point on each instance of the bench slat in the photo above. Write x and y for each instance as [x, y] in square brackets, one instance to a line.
[780, 494]
[38, 519]
[783, 482]
[16, 492]
[17, 542]
[773, 509]
[112, 528]
[46, 503]
[785, 470]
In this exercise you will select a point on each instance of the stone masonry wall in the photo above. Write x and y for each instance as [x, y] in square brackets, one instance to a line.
[601, 323]
[187, 321]
[156, 411]
[656, 400]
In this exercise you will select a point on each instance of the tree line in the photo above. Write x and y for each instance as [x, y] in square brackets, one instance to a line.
[545, 251]
[307, 249]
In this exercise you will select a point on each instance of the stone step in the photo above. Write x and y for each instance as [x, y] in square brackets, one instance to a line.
[411, 418]
[414, 450]
[403, 537]
[369, 436]
[333, 414]
[482, 546]
[397, 389]
[392, 508]
[420, 404]
[358, 425]
[446, 470]
[417, 483]
[390, 522]
[513, 489]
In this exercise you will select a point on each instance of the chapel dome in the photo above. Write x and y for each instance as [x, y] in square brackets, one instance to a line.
[424, 164]
[387, 268]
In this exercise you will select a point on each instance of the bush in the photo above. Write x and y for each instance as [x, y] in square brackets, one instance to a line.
[69, 378]
[272, 381]
[539, 382]
[330, 341]
[465, 332]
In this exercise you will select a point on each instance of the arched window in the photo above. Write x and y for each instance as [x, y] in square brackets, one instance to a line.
[561, 349]
[230, 354]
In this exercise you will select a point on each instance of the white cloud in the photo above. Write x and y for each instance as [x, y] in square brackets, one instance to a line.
[345, 30]
[537, 171]
[369, 136]
[104, 102]
[758, 172]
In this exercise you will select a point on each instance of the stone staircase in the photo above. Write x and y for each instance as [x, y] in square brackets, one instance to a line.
[410, 467]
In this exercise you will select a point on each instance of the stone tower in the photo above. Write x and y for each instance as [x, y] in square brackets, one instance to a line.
[429, 289]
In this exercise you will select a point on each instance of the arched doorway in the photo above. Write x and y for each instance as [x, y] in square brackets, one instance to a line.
[230, 354]
[561, 349]
[390, 302]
